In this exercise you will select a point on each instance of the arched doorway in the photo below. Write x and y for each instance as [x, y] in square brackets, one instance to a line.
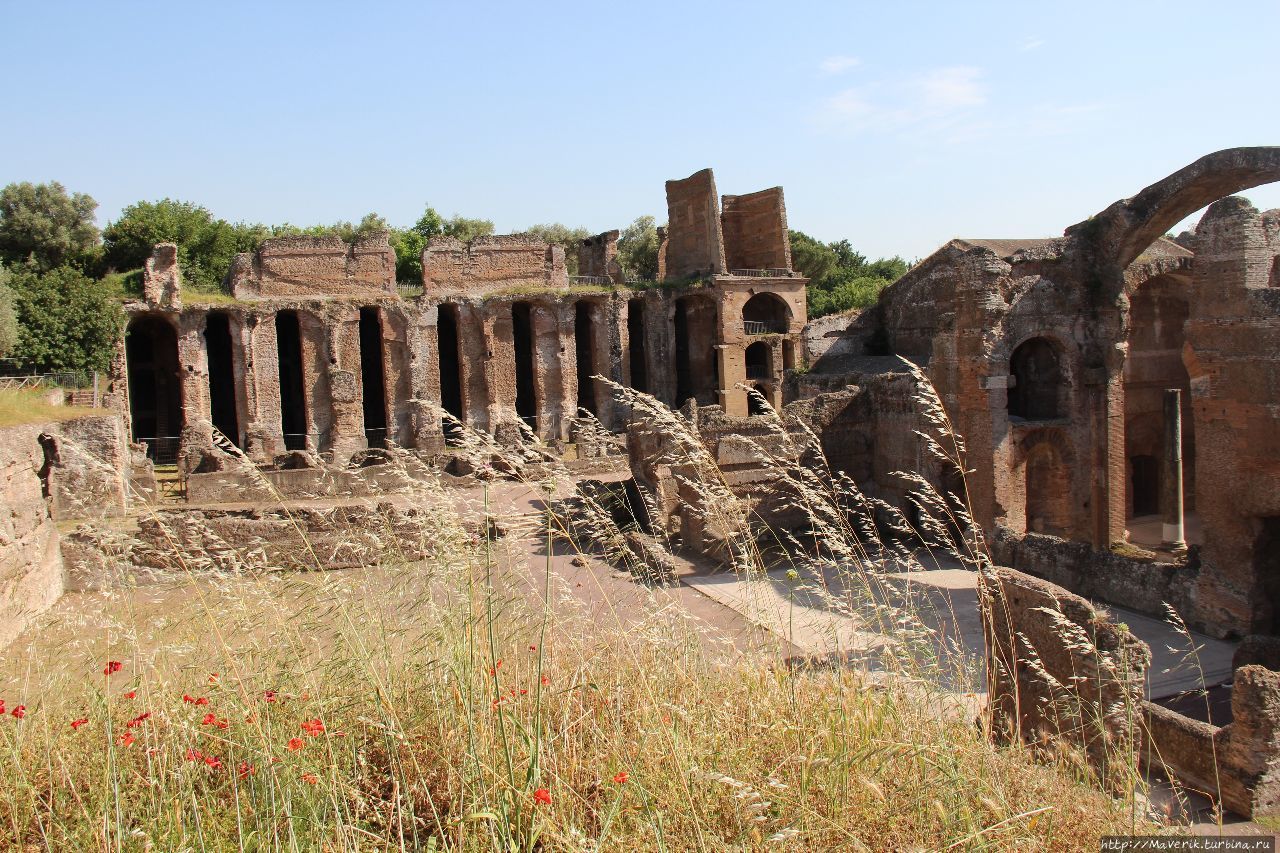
[766, 313]
[1047, 483]
[1038, 391]
[223, 404]
[155, 386]
[759, 359]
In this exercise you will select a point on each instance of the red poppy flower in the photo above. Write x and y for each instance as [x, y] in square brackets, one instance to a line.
[621, 777]
[245, 770]
[209, 719]
[19, 711]
[310, 778]
[75, 724]
[533, 647]
[542, 796]
[213, 761]
[194, 754]
[546, 679]
[127, 739]
[269, 695]
[213, 678]
[295, 744]
[137, 721]
[493, 670]
[112, 667]
[131, 694]
[313, 727]
[202, 701]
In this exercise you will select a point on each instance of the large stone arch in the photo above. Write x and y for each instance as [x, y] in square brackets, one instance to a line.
[1125, 229]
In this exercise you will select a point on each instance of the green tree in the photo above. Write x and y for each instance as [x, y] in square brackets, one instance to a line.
[8, 315]
[812, 259]
[841, 278]
[638, 249]
[562, 235]
[466, 229]
[45, 225]
[66, 320]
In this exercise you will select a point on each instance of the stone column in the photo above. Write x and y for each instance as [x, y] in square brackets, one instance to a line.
[1171, 482]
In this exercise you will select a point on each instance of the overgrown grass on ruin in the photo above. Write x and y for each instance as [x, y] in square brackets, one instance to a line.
[32, 406]
[472, 701]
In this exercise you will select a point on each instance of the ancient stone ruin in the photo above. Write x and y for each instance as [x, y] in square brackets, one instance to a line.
[1117, 391]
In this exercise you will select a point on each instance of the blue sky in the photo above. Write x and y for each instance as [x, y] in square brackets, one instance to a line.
[896, 126]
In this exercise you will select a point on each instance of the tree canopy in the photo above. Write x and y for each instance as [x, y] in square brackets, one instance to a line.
[839, 277]
[8, 315]
[638, 249]
[45, 225]
[66, 320]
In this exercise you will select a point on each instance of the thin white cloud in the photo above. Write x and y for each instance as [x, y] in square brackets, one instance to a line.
[1030, 43]
[947, 89]
[935, 96]
[839, 64]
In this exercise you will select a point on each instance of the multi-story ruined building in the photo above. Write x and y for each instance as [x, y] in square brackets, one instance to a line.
[1055, 358]
[317, 348]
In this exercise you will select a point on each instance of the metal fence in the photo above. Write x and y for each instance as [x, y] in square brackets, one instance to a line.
[22, 374]
[590, 279]
[762, 273]
[755, 327]
[757, 371]
[162, 450]
[408, 290]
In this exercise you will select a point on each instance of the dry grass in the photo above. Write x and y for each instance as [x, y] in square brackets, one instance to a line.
[443, 706]
[32, 406]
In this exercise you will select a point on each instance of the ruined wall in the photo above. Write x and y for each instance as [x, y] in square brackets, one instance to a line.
[755, 231]
[598, 257]
[1233, 333]
[1059, 669]
[294, 266]
[491, 264]
[30, 565]
[695, 243]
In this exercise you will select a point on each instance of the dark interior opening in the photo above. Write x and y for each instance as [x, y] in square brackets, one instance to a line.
[450, 370]
[522, 339]
[1145, 485]
[759, 358]
[684, 386]
[635, 338]
[697, 362]
[155, 387]
[584, 344]
[757, 403]
[1266, 561]
[293, 398]
[222, 377]
[372, 378]
[1037, 381]
[765, 313]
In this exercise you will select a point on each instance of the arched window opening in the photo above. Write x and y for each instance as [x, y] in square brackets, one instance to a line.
[522, 341]
[450, 371]
[222, 376]
[1038, 384]
[697, 366]
[155, 387]
[585, 346]
[636, 343]
[766, 313]
[293, 397]
[1048, 492]
[759, 361]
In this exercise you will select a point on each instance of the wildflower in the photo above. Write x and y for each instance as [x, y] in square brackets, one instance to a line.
[137, 721]
[127, 739]
[75, 724]
[313, 727]
[542, 797]
[245, 770]
[621, 777]
[1, 707]
[213, 762]
[19, 711]
[295, 744]
[192, 700]
[112, 666]
[209, 719]
[310, 778]
[493, 670]
[202, 701]
[213, 678]
[194, 754]
[131, 694]
[269, 695]
[546, 680]
[533, 647]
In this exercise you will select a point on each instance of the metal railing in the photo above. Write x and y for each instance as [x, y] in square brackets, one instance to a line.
[757, 371]
[162, 450]
[755, 327]
[408, 290]
[376, 438]
[590, 279]
[763, 273]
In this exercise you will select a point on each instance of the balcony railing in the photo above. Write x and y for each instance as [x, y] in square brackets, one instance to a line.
[408, 290]
[757, 371]
[162, 450]
[755, 327]
[590, 279]
[762, 273]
